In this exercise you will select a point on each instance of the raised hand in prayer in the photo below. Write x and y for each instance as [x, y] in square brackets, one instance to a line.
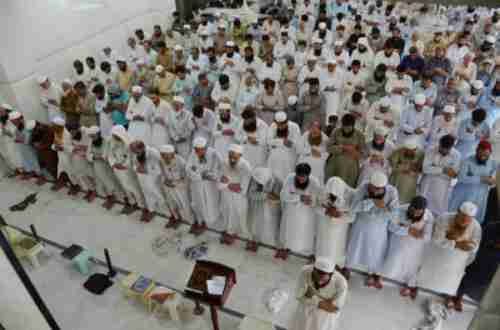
[224, 179]
[228, 132]
[415, 232]
[138, 118]
[119, 167]
[169, 183]
[288, 143]
[306, 199]
[380, 203]
[252, 140]
[419, 131]
[450, 172]
[328, 306]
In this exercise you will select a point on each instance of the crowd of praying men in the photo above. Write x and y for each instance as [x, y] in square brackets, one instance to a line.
[359, 131]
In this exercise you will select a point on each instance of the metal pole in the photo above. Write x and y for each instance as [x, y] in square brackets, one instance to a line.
[23, 276]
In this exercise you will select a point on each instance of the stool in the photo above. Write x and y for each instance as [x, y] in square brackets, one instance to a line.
[30, 249]
[81, 262]
[169, 304]
[129, 289]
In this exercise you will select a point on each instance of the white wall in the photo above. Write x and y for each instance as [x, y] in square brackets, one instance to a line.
[45, 36]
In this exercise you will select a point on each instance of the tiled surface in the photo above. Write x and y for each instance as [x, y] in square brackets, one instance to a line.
[69, 220]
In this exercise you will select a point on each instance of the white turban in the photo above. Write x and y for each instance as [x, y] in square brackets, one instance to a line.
[292, 100]
[420, 99]
[280, 117]
[179, 99]
[449, 109]
[159, 69]
[324, 264]
[378, 179]
[262, 175]
[42, 79]
[204, 32]
[322, 26]
[225, 106]
[411, 144]
[6, 106]
[477, 84]
[469, 208]
[178, 47]
[59, 121]
[317, 40]
[381, 130]
[236, 148]
[199, 142]
[336, 186]
[385, 102]
[331, 60]
[230, 43]
[140, 61]
[166, 149]
[338, 43]
[92, 130]
[15, 115]
[137, 90]
[222, 26]
[490, 39]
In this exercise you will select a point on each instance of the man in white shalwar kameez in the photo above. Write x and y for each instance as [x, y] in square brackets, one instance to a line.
[331, 82]
[205, 122]
[382, 114]
[444, 124]
[410, 231]
[120, 160]
[225, 130]
[203, 169]
[50, 98]
[455, 242]
[372, 207]
[159, 127]
[231, 64]
[282, 139]
[312, 150]
[62, 144]
[181, 127]
[440, 169]
[321, 292]
[236, 174]
[105, 180]
[299, 198]
[334, 219]
[83, 172]
[146, 163]
[416, 121]
[252, 135]
[175, 186]
[140, 113]
[264, 209]
[8, 151]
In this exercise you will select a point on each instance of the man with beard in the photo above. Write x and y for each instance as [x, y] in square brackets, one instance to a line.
[456, 51]
[270, 101]
[382, 114]
[406, 163]
[205, 123]
[456, 239]
[410, 232]
[439, 67]
[373, 209]
[163, 82]
[140, 113]
[437, 42]
[357, 106]
[282, 140]
[321, 293]
[312, 104]
[440, 167]
[476, 176]
[355, 79]
[284, 48]
[175, 186]
[146, 164]
[236, 175]
[299, 198]
[180, 127]
[250, 65]
[80, 73]
[105, 180]
[22, 138]
[203, 170]
[312, 150]
[309, 71]
[471, 131]
[8, 152]
[375, 84]
[225, 89]
[445, 124]
[225, 130]
[341, 55]
[416, 121]
[345, 147]
[364, 54]
[252, 135]
[427, 87]
[377, 152]
[320, 52]
[388, 57]
[398, 88]
[160, 116]
[196, 63]
[125, 75]
[231, 63]
[83, 173]
[270, 69]
[62, 145]
[332, 87]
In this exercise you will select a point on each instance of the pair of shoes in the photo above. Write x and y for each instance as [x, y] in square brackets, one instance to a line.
[128, 209]
[146, 216]
[90, 196]
[109, 203]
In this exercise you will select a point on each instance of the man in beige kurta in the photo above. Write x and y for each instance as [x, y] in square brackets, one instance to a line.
[163, 83]
[406, 163]
[346, 148]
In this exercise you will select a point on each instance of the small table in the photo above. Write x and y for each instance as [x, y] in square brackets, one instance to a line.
[165, 299]
[137, 287]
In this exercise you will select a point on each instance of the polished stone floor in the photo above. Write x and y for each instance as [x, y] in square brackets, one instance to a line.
[67, 220]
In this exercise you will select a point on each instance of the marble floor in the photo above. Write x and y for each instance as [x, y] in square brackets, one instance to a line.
[67, 220]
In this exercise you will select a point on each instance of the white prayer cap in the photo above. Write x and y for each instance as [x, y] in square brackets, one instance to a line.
[236, 148]
[199, 142]
[179, 99]
[420, 99]
[336, 186]
[6, 106]
[15, 115]
[92, 130]
[67, 81]
[262, 175]
[324, 264]
[187, 27]
[59, 121]
[121, 59]
[166, 149]
[311, 57]
[159, 69]
[378, 179]
[30, 124]
[137, 90]
[380, 130]
[322, 26]
[411, 144]
[339, 43]
[490, 39]
[331, 60]
[120, 132]
[224, 106]
[469, 208]
[284, 31]
[229, 43]
[292, 100]
[204, 32]
[449, 108]
[363, 41]
[42, 79]
[178, 47]
[140, 61]
[217, 14]
[317, 40]
[385, 102]
[222, 26]
[477, 84]
[280, 117]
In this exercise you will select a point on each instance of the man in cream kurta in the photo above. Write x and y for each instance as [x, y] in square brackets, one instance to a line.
[181, 127]
[140, 115]
[321, 292]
